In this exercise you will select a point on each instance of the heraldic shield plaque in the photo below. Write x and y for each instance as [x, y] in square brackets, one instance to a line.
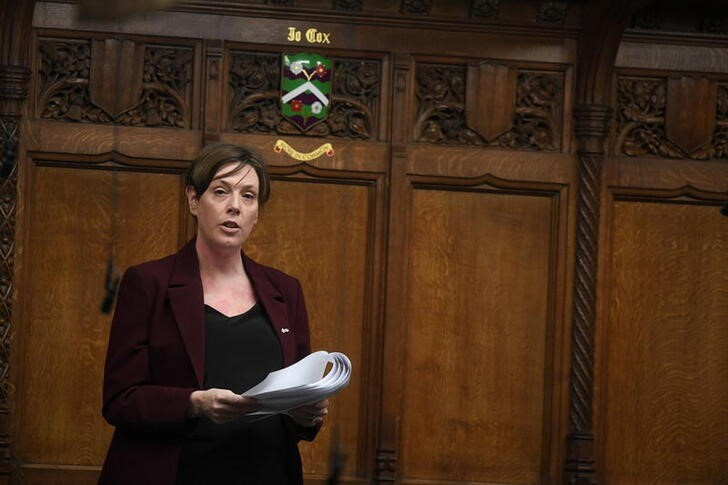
[305, 89]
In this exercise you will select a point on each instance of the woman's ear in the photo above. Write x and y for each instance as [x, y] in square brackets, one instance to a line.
[192, 200]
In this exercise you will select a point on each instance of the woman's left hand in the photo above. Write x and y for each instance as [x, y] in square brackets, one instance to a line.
[310, 415]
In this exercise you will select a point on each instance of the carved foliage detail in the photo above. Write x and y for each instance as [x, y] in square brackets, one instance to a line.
[485, 8]
[255, 93]
[418, 7]
[711, 24]
[553, 12]
[350, 5]
[164, 99]
[64, 74]
[647, 18]
[255, 84]
[441, 118]
[641, 121]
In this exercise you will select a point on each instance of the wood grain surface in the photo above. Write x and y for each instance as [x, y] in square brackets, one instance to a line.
[476, 336]
[65, 334]
[666, 362]
[319, 232]
[443, 268]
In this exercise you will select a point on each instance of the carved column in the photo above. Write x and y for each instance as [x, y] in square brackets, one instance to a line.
[15, 20]
[591, 128]
[387, 453]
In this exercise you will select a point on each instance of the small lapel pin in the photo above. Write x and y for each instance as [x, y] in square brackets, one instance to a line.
[284, 330]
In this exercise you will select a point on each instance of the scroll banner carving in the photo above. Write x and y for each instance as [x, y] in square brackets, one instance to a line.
[116, 74]
[282, 146]
[690, 112]
[490, 99]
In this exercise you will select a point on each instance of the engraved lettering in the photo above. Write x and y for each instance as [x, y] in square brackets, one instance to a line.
[294, 35]
[312, 36]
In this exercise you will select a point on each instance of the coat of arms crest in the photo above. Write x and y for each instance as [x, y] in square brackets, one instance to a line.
[305, 89]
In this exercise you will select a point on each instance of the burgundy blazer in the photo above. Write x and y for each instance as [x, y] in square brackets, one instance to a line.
[156, 359]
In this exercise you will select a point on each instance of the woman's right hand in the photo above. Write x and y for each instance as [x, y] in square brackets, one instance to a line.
[220, 405]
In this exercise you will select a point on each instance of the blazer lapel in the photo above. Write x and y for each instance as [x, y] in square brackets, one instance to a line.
[274, 304]
[188, 306]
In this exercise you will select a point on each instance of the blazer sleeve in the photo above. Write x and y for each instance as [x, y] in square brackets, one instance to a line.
[130, 398]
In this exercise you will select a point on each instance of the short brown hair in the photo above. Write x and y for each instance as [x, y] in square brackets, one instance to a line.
[215, 155]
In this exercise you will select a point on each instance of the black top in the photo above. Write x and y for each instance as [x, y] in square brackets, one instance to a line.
[239, 352]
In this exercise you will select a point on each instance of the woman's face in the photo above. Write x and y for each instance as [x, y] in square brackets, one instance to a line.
[227, 211]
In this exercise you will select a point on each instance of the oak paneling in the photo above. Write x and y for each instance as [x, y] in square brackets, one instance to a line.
[69, 216]
[62, 475]
[380, 33]
[666, 350]
[320, 231]
[478, 322]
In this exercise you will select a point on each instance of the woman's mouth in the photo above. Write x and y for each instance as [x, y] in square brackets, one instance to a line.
[230, 226]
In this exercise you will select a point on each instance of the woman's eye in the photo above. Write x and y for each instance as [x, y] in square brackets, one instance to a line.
[219, 192]
[249, 195]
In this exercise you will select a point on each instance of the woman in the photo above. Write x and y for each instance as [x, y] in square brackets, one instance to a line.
[194, 330]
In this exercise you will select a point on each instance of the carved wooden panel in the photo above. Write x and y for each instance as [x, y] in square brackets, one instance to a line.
[490, 99]
[9, 128]
[417, 7]
[64, 335]
[537, 122]
[477, 375]
[641, 121]
[43, 475]
[694, 18]
[665, 399]
[319, 231]
[690, 129]
[552, 12]
[164, 100]
[255, 80]
[348, 5]
[485, 8]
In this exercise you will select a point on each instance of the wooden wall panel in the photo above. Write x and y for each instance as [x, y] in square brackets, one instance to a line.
[478, 322]
[59, 475]
[64, 336]
[459, 338]
[321, 232]
[665, 398]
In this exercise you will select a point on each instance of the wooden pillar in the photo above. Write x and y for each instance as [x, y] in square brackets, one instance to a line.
[15, 19]
[591, 128]
[602, 30]
[387, 469]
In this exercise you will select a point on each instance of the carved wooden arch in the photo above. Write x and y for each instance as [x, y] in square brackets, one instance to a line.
[602, 28]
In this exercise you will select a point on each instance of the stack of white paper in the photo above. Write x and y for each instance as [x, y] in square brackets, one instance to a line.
[302, 383]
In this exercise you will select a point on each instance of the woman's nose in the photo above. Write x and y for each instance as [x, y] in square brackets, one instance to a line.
[234, 205]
